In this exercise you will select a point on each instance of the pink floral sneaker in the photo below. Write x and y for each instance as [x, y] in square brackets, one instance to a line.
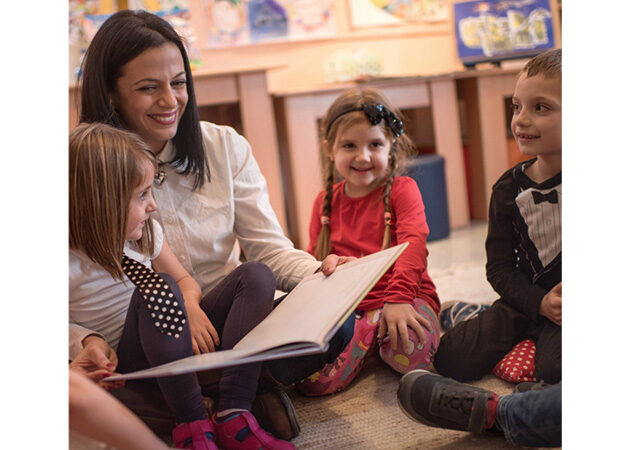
[197, 435]
[241, 431]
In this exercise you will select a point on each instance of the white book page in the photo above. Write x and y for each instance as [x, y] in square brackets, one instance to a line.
[318, 302]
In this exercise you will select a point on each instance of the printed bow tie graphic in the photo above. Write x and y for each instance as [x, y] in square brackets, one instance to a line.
[539, 197]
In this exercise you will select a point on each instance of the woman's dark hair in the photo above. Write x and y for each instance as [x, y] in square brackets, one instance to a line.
[121, 38]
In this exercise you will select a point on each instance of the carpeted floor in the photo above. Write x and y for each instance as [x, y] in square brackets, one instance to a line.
[367, 416]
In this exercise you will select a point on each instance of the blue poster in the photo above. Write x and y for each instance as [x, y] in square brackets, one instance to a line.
[267, 20]
[495, 30]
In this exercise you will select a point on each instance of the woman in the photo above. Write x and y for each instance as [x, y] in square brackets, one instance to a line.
[212, 198]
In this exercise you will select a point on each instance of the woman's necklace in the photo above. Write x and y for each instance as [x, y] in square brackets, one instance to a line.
[160, 175]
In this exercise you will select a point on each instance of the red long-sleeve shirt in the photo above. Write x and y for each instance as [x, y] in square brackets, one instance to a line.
[357, 227]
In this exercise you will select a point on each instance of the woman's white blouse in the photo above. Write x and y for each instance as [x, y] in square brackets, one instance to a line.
[206, 229]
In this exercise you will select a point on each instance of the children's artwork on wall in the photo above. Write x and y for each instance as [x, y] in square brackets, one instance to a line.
[226, 23]
[309, 19]
[495, 30]
[177, 13]
[373, 13]
[82, 29]
[434, 10]
[243, 22]
[87, 16]
[267, 20]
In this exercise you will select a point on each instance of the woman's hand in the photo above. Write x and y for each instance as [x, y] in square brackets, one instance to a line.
[205, 338]
[394, 322]
[330, 263]
[97, 361]
[551, 305]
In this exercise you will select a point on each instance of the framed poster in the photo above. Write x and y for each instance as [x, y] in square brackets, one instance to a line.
[495, 30]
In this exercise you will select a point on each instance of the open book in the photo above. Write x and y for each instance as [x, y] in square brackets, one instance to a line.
[303, 323]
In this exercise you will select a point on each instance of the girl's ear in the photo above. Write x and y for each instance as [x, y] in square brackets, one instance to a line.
[327, 150]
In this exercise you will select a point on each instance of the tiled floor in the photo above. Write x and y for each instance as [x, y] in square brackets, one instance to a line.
[457, 265]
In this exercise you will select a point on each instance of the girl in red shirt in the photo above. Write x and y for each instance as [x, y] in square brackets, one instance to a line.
[371, 209]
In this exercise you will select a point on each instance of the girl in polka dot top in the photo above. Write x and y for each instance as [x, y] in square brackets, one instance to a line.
[133, 318]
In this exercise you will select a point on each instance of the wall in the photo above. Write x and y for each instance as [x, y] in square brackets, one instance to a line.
[422, 49]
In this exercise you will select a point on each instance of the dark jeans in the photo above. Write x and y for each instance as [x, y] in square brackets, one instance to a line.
[472, 348]
[533, 418]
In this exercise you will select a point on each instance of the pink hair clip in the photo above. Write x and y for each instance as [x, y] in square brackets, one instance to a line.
[325, 220]
[388, 218]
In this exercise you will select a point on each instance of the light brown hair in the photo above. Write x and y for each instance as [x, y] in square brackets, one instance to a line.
[332, 125]
[106, 165]
[547, 64]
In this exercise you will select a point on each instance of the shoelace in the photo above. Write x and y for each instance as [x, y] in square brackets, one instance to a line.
[456, 401]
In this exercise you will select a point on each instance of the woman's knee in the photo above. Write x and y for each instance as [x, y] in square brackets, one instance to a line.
[257, 277]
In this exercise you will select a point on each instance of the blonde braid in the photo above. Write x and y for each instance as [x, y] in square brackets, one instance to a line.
[387, 190]
[323, 240]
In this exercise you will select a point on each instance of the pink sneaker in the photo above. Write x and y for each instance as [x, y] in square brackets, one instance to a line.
[197, 435]
[241, 431]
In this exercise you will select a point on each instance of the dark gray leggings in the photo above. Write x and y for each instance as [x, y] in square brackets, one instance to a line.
[235, 306]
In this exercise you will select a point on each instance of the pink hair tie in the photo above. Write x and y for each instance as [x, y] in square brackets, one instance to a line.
[325, 220]
[388, 218]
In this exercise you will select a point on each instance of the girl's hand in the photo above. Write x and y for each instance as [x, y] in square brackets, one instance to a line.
[330, 263]
[394, 322]
[551, 305]
[205, 338]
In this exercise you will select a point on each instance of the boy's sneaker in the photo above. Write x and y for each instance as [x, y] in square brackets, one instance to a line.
[455, 311]
[442, 402]
[197, 435]
[241, 431]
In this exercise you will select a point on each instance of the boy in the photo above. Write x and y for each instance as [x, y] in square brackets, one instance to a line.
[524, 243]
